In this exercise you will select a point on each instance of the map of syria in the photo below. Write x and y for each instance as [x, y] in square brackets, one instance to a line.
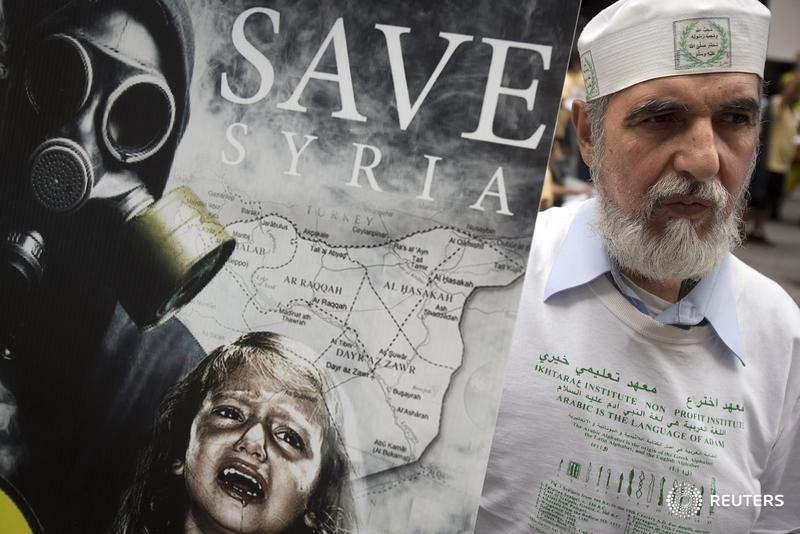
[385, 319]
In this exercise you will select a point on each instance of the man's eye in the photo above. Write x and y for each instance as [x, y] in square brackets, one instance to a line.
[737, 118]
[659, 119]
[228, 412]
[291, 437]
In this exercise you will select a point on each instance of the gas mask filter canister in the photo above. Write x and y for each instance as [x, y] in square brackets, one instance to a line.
[168, 254]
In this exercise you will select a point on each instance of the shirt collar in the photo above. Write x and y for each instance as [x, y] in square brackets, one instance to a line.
[582, 258]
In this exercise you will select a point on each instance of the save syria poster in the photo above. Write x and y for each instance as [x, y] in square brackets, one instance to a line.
[379, 166]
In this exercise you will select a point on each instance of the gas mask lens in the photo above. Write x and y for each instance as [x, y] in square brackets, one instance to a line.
[58, 78]
[139, 109]
[72, 82]
[138, 118]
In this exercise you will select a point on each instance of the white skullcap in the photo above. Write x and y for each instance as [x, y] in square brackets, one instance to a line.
[633, 41]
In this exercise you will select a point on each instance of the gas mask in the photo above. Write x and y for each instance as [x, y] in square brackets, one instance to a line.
[101, 119]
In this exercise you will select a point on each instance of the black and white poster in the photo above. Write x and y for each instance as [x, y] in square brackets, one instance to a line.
[333, 199]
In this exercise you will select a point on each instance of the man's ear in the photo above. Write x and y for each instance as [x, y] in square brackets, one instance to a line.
[177, 467]
[583, 129]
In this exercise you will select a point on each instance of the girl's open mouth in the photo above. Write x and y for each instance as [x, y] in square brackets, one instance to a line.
[241, 483]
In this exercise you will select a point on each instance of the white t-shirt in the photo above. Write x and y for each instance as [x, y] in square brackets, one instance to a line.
[613, 422]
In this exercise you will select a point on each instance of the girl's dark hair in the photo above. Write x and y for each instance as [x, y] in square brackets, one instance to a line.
[156, 502]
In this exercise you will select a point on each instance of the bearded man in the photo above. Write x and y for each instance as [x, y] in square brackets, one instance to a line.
[654, 379]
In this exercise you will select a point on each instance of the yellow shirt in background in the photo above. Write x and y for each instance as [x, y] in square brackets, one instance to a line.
[780, 142]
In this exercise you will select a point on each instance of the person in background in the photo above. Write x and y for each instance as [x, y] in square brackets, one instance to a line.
[559, 187]
[781, 144]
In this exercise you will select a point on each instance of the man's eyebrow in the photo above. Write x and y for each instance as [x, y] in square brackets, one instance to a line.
[654, 107]
[747, 104]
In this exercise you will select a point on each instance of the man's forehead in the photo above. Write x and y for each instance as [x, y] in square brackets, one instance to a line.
[695, 91]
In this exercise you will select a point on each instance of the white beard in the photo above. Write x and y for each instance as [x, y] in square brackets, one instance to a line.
[677, 252]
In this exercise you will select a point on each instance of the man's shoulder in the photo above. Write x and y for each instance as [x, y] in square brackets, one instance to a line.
[551, 227]
[759, 296]
[559, 216]
[552, 224]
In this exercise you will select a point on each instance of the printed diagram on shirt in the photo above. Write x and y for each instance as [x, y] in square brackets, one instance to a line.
[652, 462]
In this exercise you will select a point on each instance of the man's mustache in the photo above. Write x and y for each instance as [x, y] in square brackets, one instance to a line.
[711, 191]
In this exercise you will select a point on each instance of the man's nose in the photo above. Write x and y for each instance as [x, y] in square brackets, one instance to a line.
[698, 153]
[253, 442]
